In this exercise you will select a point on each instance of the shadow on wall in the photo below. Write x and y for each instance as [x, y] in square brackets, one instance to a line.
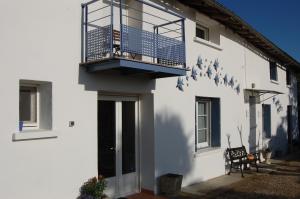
[115, 81]
[293, 101]
[174, 149]
[278, 143]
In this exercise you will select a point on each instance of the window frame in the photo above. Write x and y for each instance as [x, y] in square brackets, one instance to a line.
[30, 125]
[204, 29]
[208, 129]
[273, 65]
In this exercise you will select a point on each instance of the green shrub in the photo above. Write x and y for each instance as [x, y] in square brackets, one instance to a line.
[93, 188]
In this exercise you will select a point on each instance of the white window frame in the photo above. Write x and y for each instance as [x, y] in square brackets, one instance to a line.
[205, 29]
[28, 125]
[208, 124]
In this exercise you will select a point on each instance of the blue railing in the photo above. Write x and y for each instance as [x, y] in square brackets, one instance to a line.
[98, 43]
[101, 38]
[152, 45]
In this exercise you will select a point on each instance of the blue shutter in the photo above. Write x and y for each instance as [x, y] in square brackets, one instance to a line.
[266, 120]
[215, 123]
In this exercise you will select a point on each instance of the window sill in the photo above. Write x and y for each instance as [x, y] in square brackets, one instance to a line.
[207, 43]
[207, 151]
[34, 135]
[274, 81]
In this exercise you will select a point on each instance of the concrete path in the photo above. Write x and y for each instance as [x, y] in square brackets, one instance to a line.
[203, 188]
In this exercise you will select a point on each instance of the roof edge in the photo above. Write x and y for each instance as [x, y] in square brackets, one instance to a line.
[225, 16]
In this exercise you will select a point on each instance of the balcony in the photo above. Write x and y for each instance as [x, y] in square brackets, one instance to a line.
[133, 37]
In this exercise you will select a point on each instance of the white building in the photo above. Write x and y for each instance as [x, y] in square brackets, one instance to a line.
[189, 79]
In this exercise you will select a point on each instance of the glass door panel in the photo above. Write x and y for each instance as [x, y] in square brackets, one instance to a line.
[128, 137]
[107, 138]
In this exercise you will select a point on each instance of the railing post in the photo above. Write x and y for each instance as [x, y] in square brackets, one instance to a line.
[86, 33]
[82, 33]
[112, 28]
[121, 29]
[154, 44]
[183, 40]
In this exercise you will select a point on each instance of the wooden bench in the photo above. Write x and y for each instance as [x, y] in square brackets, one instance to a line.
[239, 159]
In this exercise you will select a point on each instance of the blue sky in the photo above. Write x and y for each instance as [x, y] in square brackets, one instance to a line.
[278, 20]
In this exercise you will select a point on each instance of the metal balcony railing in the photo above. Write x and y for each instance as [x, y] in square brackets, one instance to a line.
[132, 29]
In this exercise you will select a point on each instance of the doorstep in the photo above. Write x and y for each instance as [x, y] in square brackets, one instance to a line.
[144, 195]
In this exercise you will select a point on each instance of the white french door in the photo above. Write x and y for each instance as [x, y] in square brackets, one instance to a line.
[118, 144]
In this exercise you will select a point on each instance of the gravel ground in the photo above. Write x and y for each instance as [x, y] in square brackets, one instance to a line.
[280, 180]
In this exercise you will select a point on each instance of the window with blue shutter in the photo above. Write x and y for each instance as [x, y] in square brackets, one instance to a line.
[207, 123]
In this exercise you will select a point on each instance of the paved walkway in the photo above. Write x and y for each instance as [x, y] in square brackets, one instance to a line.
[279, 180]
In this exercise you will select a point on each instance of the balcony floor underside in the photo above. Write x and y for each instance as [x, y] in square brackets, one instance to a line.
[129, 66]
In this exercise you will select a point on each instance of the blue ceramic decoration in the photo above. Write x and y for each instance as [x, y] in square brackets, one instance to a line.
[187, 78]
[231, 82]
[217, 79]
[194, 73]
[238, 89]
[225, 79]
[180, 83]
[216, 64]
[199, 62]
[209, 72]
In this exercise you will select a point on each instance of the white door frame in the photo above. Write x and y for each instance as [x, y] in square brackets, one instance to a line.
[118, 99]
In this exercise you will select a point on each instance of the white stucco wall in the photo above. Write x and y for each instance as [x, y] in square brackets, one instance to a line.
[175, 110]
[40, 40]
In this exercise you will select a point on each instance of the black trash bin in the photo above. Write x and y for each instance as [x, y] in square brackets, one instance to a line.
[170, 184]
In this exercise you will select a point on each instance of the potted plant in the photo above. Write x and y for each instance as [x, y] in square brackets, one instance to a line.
[267, 154]
[93, 188]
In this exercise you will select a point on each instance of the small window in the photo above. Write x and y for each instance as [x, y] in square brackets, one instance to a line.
[202, 32]
[273, 71]
[35, 105]
[288, 77]
[28, 105]
[207, 123]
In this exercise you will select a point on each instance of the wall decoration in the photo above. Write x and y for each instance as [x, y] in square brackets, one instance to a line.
[216, 64]
[278, 105]
[187, 77]
[180, 84]
[209, 72]
[194, 73]
[225, 79]
[207, 67]
[238, 89]
[187, 80]
[231, 82]
[199, 62]
[217, 79]
[279, 109]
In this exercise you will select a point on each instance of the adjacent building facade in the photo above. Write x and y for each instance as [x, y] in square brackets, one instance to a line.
[133, 90]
